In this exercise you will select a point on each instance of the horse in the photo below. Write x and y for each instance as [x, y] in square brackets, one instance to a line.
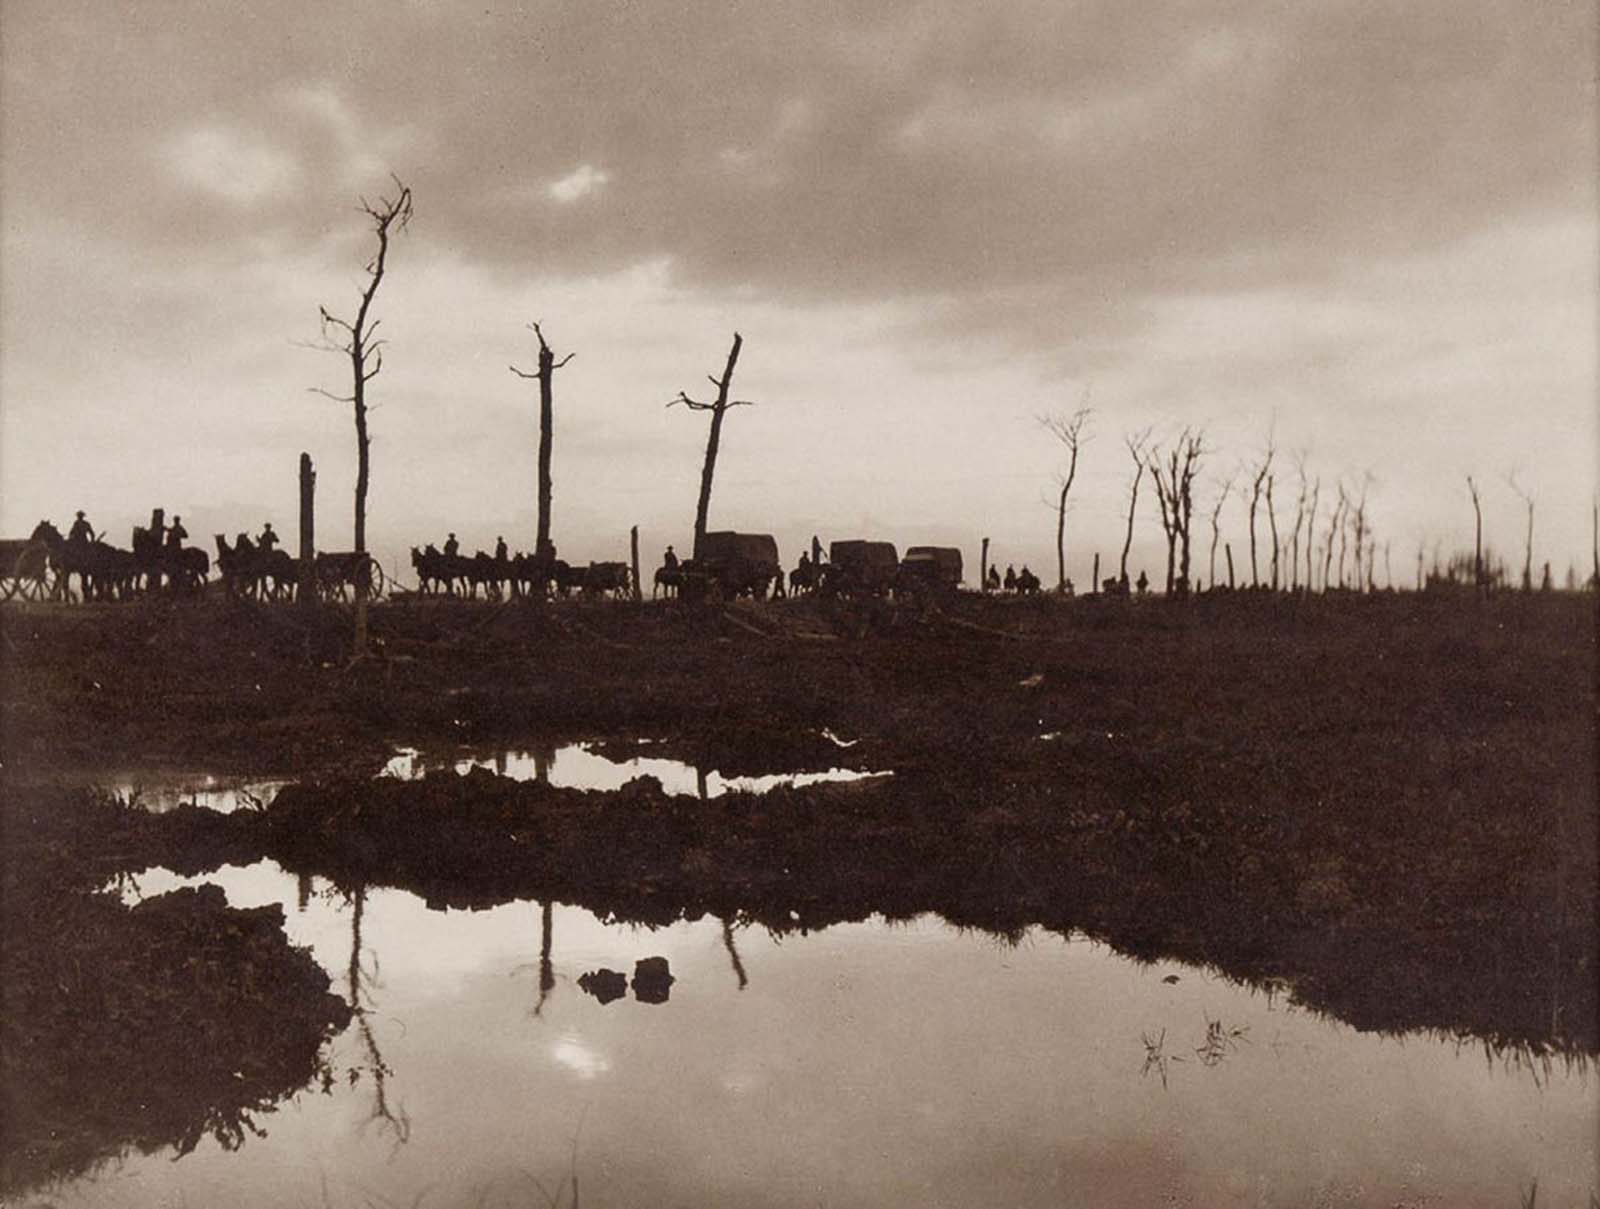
[668, 580]
[805, 578]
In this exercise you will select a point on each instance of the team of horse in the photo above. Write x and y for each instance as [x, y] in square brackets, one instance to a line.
[47, 563]
[514, 575]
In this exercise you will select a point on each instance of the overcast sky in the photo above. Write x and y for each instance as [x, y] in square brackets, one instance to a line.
[1368, 229]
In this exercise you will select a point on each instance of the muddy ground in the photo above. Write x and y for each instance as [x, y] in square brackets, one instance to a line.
[1385, 805]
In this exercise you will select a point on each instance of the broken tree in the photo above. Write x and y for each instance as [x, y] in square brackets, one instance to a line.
[718, 409]
[1069, 431]
[544, 375]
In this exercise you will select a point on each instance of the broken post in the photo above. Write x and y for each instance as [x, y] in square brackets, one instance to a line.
[983, 567]
[633, 542]
[308, 535]
[1227, 548]
[1094, 583]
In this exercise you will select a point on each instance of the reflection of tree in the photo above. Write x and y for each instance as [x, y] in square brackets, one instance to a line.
[733, 954]
[393, 1122]
[547, 973]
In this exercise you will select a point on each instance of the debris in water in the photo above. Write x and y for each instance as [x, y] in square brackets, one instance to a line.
[652, 980]
[605, 985]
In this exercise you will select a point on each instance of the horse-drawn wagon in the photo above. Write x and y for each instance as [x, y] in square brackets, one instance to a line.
[732, 564]
[25, 568]
[929, 571]
[860, 568]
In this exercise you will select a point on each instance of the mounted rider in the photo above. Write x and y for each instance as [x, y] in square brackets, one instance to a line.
[669, 560]
[452, 547]
[176, 533]
[501, 554]
[268, 541]
[82, 532]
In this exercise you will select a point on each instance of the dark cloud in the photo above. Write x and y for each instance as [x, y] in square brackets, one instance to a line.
[932, 148]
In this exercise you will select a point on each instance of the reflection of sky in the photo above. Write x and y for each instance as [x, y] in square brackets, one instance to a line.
[869, 1064]
[576, 767]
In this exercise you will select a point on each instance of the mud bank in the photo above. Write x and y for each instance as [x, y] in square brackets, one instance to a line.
[158, 1026]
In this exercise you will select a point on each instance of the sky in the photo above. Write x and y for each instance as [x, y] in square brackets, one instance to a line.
[1362, 232]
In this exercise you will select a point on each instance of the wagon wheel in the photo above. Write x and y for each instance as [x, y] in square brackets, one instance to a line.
[29, 570]
[377, 583]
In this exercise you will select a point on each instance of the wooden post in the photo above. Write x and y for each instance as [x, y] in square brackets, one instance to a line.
[633, 541]
[308, 535]
[816, 550]
[983, 567]
[1228, 547]
[1094, 584]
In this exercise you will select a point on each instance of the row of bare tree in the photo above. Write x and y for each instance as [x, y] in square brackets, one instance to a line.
[1348, 550]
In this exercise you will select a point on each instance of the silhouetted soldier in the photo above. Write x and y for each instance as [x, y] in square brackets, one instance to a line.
[994, 579]
[176, 533]
[268, 541]
[452, 547]
[81, 532]
[1011, 578]
[1143, 584]
[669, 560]
[501, 554]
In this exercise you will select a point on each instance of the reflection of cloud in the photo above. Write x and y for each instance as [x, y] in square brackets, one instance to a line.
[230, 165]
[574, 1055]
[582, 181]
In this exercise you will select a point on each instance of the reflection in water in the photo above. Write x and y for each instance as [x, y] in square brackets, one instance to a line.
[578, 766]
[870, 1064]
[395, 1123]
[733, 954]
[547, 972]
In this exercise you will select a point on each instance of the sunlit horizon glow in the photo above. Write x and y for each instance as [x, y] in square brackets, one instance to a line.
[1366, 231]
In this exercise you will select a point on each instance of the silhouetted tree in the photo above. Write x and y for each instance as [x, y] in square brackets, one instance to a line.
[1477, 540]
[1216, 529]
[1272, 528]
[1262, 474]
[544, 375]
[717, 409]
[1174, 481]
[1335, 530]
[358, 341]
[1135, 444]
[1527, 553]
[1069, 430]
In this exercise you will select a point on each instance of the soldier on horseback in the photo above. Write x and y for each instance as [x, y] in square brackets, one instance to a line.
[501, 554]
[82, 532]
[452, 547]
[268, 541]
[176, 533]
[669, 560]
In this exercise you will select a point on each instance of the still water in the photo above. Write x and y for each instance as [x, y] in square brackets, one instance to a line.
[572, 765]
[869, 1064]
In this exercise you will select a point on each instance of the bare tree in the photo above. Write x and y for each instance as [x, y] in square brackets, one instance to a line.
[1527, 554]
[1335, 529]
[544, 375]
[1477, 541]
[1216, 528]
[1263, 473]
[1135, 443]
[1069, 430]
[1174, 481]
[1272, 524]
[1311, 528]
[358, 340]
[718, 409]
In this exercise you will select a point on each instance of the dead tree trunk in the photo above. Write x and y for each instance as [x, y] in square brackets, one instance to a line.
[542, 549]
[1094, 588]
[1272, 524]
[1527, 550]
[1477, 539]
[358, 341]
[983, 567]
[718, 409]
[1227, 548]
[308, 533]
[1135, 444]
[1069, 431]
[1255, 500]
[633, 547]
[1216, 530]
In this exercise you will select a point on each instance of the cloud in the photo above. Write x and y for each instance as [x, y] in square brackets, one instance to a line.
[582, 181]
[230, 165]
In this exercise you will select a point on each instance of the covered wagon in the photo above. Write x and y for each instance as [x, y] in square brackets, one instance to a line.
[733, 564]
[929, 570]
[859, 567]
